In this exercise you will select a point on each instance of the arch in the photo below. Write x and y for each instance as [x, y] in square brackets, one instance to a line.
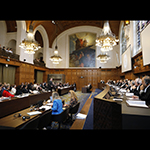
[44, 35]
[12, 44]
[63, 43]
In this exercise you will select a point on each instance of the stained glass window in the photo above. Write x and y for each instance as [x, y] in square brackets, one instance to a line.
[140, 26]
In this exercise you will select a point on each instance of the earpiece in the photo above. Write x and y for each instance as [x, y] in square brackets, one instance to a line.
[25, 117]
[17, 115]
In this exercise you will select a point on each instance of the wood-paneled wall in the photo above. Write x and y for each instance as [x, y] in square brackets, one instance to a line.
[25, 72]
[84, 76]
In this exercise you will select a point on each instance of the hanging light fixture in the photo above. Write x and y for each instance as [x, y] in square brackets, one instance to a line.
[107, 39]
[103, 57]
[55, 58]
[30, 45]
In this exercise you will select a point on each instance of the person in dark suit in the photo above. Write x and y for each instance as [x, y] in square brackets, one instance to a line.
[89, 87]
[50, 84]
[144, 90]
[136, 88]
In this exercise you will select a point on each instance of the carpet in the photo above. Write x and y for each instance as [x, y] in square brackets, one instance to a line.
[82, 97]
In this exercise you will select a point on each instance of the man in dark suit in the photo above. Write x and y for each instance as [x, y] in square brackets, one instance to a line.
[145, 90]
[89, 87]
[50, 84]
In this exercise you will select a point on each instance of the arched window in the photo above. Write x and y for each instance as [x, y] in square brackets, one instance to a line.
[140, 25]
[123, 40]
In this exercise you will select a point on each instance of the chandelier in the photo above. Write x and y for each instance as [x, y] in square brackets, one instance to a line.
[55, 58]
[103, 57]
[30, 45]
[107, 39]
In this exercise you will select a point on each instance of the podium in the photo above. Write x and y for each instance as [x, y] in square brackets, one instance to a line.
[85, 89]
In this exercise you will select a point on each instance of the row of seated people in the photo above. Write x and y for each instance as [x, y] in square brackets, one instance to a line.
[53, 85]
[7, 90]
[140, 87]
[8, 53]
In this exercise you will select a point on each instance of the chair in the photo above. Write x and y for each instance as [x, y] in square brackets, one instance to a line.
[6, 128]
[45, 119]
[61, 117]
[74, 109]
[32, 124]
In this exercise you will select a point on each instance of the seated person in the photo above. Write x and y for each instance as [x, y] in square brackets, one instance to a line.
[5, 93]
[144, 90]
[89, 87]
[10, 51]
[136, 88]
[57, 104]
[25, 89]
[19, 90]
[13, 89]
[74, 99]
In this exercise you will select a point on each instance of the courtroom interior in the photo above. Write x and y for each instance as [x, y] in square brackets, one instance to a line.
[74, 74]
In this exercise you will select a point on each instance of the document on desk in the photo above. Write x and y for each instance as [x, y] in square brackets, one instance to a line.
[129, 94]
[81, 116]
[117, 99]
[34, 113]
[137, 103]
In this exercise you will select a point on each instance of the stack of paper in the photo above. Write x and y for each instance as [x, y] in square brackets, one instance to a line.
[81, 116]
[34, 113]
[137, 103]
[129, 94]
[46, 107]
[117, 99]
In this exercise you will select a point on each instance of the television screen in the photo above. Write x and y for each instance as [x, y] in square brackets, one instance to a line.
[145, 43]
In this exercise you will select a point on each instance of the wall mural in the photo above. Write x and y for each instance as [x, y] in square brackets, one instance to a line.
[82, 49]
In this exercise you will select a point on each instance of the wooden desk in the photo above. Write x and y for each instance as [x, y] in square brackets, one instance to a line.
[17, 104]
[84, 89]
[65, 90]
[15, 122]
[109, 114]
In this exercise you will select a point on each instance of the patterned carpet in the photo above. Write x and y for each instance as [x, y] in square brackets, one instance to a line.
[82, 97]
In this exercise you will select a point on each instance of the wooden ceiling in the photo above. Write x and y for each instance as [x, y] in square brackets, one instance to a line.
[62, 26]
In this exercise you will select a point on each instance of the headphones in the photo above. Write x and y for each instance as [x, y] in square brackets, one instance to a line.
[17, 115]
[23, 117]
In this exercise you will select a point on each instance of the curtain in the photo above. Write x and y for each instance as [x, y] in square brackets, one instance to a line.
[1, 67]
[39, 77]
[9, 74]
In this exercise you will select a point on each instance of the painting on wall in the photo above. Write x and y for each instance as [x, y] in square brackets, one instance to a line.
[82, 49]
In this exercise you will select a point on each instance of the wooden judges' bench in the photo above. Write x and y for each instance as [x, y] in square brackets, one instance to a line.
[109, 114]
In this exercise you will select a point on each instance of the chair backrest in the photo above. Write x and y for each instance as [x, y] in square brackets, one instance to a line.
[32, 124]
[74, 109]
[45, 119]
[61, 117]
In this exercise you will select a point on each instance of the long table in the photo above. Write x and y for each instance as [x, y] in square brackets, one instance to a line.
[65, 90]
[109, 114]
[8, 107]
